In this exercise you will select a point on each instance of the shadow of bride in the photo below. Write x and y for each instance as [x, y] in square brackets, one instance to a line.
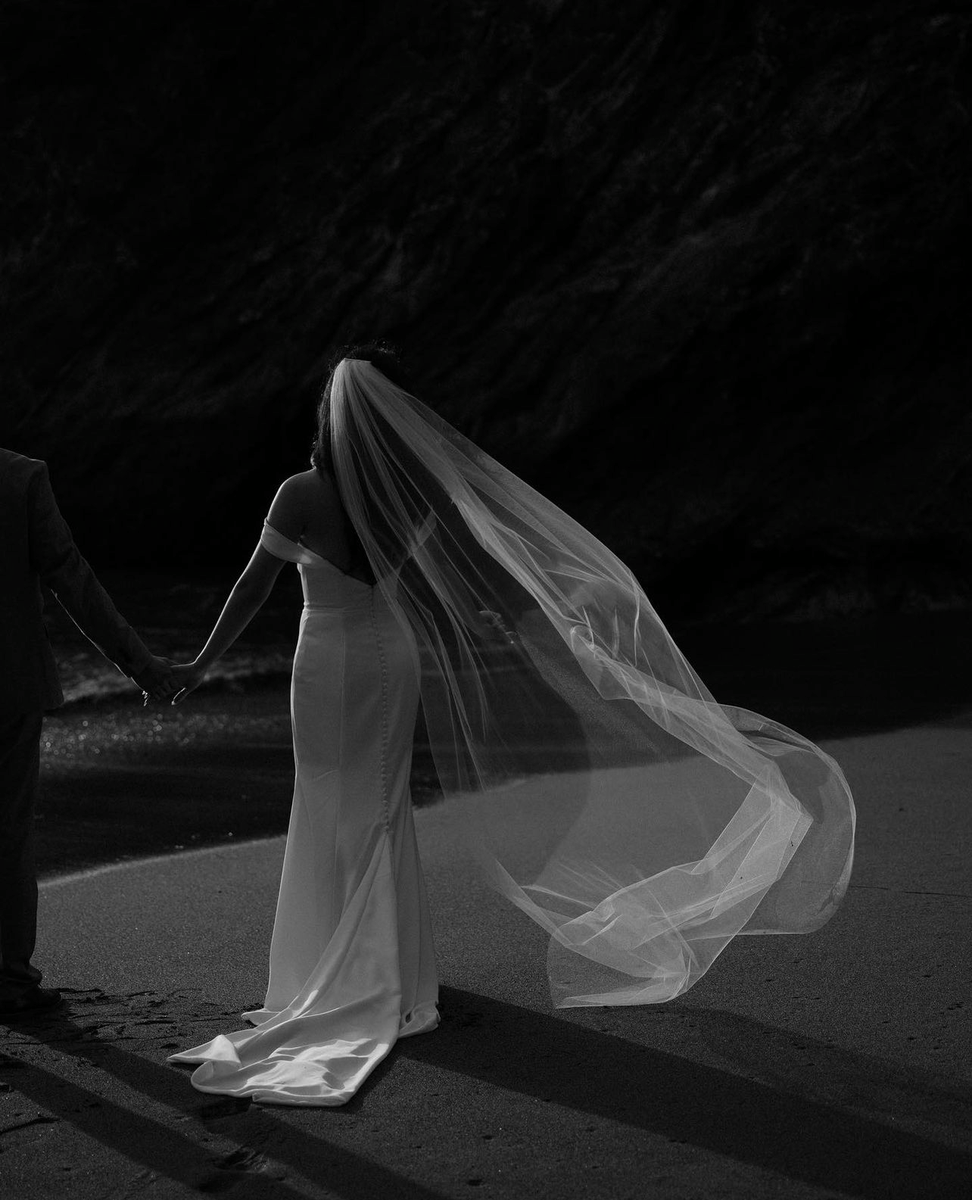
[254, 1147]
[823, 1139]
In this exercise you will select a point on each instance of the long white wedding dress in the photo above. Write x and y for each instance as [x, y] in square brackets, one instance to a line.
[352, 966]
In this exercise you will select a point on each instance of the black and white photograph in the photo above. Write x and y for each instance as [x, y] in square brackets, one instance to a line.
[485, 600]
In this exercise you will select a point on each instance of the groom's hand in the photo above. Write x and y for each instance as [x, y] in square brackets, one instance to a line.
[156, 680]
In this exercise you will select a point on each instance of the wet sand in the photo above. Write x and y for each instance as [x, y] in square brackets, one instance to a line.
[121, 781]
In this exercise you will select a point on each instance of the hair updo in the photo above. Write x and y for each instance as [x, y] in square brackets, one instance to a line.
[380, 354]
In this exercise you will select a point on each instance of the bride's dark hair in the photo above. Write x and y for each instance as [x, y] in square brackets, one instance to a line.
[380, 354]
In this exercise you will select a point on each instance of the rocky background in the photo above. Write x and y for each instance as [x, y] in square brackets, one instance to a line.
[698, 270]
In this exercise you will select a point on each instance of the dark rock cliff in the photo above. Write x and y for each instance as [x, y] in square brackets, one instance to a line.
[698, 270]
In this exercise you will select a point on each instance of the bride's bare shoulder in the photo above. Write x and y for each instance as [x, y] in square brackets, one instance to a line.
[307, 485]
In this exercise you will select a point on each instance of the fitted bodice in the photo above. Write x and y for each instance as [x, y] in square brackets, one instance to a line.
[323, 583]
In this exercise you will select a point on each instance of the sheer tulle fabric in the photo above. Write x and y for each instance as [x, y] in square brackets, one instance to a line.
[605, 791]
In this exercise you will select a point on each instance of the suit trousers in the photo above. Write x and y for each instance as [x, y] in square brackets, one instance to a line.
[19, 769]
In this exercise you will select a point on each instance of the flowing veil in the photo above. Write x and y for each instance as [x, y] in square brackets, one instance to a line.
[604, 790]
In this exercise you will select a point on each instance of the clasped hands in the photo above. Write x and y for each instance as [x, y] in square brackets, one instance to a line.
[162, 679]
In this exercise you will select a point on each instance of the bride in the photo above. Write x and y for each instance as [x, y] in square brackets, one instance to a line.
[601, 786]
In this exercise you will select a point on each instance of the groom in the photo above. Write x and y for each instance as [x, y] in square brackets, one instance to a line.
[36, 547]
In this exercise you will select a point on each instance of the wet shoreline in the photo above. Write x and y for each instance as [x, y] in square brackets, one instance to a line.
[120, 781]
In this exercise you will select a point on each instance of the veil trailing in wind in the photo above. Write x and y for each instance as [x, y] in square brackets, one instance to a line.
[605, 791]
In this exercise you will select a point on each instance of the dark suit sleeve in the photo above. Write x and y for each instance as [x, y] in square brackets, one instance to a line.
[59, 564]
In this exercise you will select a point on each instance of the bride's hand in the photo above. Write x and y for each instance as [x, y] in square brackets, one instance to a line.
[187, 677]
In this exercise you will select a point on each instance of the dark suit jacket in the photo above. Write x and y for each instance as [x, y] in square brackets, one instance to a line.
[36, 546]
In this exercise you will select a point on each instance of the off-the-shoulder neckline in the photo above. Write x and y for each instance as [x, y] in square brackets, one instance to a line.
[320, 557]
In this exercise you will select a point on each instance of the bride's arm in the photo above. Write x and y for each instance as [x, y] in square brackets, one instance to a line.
[244, 602]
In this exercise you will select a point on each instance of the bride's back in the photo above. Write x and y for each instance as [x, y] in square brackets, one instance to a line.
[308, 509]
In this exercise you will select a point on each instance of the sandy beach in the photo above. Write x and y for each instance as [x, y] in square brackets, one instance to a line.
[814, 1067]
[810, 1068]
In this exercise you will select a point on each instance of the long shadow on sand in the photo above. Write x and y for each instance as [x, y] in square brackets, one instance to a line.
[815, 1113]
[811, 1128]
[257, 1139]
